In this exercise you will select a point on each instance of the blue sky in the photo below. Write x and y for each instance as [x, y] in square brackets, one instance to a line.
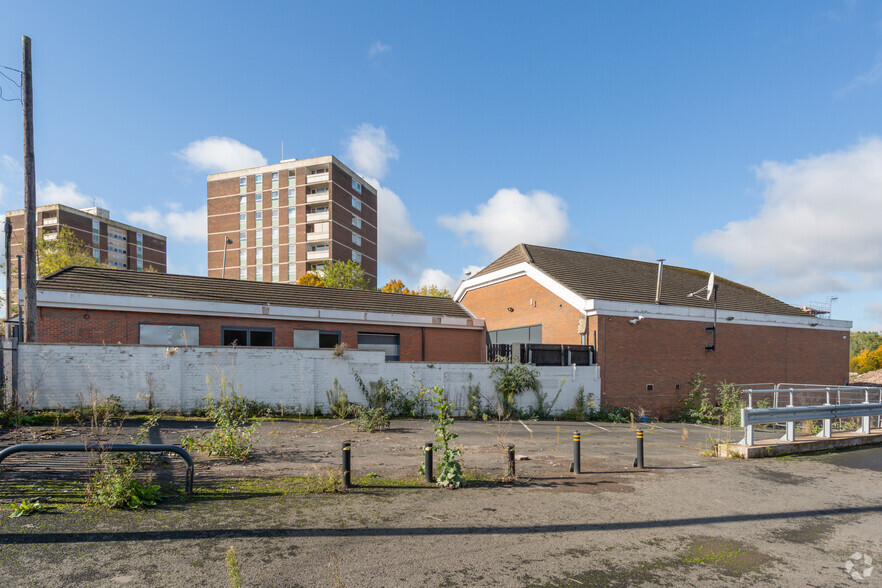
[743, 138]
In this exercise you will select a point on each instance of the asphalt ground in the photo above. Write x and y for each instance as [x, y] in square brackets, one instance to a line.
[684, 520]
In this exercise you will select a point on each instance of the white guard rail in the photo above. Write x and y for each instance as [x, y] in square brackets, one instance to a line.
[790, 415]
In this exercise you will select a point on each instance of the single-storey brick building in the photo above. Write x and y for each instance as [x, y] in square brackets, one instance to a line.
[107, 306]
[650, 338]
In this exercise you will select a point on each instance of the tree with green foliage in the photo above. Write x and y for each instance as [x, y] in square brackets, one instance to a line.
[62, 251]
[863, 341]
[345, 274]
[433, 290]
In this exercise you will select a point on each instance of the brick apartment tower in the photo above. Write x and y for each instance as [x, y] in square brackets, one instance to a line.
[111, 242]
[290, 218]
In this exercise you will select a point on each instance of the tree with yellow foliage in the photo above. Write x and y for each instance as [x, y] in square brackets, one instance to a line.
[866, 361]
[310, 279]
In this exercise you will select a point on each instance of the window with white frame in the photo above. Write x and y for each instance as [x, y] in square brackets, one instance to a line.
[96, 254]
[258, 238]
[356, 186]
[243, 273]
[356, 222]
[356, 257]
[243, 221]
[275, 217]
[356, 203]
[275, 273]
[96, 239]
[275, 235]
[243, 239]
[258, 256]
[243, 257]
[356, 239]
[292, 215]
[258, 219]
[258, 201]
[274, 199]
[258, 182]
[243, 203]
[292, 234]
[275, 180]
[243, 185]
[292, 254]
[275, 253]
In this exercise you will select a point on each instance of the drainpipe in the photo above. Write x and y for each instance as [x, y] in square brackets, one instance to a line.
[661, 269]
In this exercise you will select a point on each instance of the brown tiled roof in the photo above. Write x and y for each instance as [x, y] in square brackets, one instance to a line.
[611, 278]
[154, 285]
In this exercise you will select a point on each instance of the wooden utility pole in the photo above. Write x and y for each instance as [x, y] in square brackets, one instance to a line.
[29, 304]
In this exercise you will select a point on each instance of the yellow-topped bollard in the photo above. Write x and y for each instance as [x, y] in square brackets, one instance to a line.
[577, 453]
[639, 461]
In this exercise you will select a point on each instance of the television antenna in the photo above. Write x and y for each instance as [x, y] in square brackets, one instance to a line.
[710, 290]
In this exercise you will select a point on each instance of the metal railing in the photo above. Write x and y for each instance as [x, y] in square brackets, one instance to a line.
[791, 414]
[111, 447]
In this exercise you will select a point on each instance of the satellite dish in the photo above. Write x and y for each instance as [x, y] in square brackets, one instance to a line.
[710, 286]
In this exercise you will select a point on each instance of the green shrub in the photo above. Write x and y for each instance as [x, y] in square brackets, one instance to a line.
[115, 486]
[230, 436]
[610, 414]
[371, 420]
[339, 404]
[512, 379]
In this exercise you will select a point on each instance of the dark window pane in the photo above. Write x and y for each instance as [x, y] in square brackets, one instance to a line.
[389, 343]
[261, 339]
[235, 337]
[328, 339]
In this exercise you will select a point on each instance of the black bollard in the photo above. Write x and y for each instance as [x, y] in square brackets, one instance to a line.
[639, 462]
[428, 465]
[347, 465]
[511, 463]
[577, 453]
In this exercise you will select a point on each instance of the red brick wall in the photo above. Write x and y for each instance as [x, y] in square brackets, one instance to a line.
[64, 325]
[559, 320]
[667, 353]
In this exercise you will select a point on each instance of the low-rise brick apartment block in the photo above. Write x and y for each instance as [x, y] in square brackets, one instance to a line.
[277, 222]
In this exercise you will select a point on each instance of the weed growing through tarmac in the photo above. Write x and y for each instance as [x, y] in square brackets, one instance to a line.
[26, 508]
[115, 485]
[450, 468]
[234, 571]
[230, 436]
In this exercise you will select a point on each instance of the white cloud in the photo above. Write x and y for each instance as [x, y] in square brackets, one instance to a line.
[378, 48]
[178, 224]
[67, 193]
[818, 229]
[400, 246]
[442, 279]
[369, 150]
[220, 154]
[509, 218]
[436, 277]
[867, 79]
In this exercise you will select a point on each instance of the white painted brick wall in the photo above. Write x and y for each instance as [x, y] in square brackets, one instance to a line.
[63, 376]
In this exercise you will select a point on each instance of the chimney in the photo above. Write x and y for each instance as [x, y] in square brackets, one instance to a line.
[661, 269]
